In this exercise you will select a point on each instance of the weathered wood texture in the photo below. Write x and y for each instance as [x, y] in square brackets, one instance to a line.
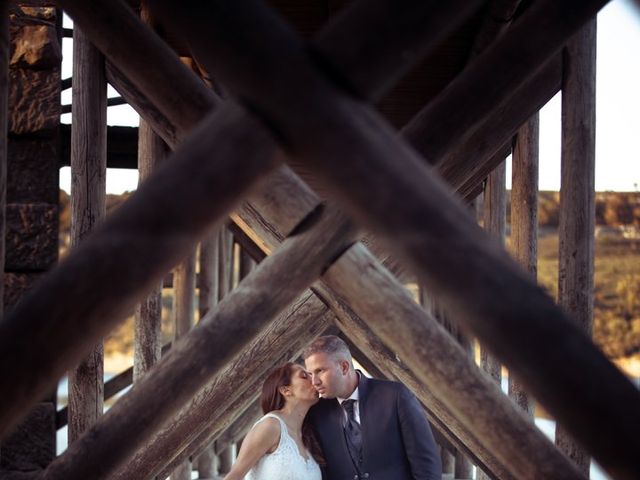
[494, 213]
[116, 30]
[88, 208]
[524, 219]
[148, 317]
[184, 287]
[577, 197]
[272, 212]
[237, 319]
[239, 428]
[348, 141]
[225, 262]
[4, 112]
[211, 409]
[207, 300]
[183, 318]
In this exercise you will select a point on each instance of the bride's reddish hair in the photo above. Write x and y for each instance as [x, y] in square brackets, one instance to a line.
[272, 399]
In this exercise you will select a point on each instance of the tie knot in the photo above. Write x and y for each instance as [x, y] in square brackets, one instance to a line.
[349, 406]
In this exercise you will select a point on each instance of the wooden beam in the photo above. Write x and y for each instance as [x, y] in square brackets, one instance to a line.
[88, 209]
[148, 320]
[5, 48]
[470, 162]
[183, 317]
[495, 216]
[212, 409]
[148, 316]
[207, 300]
[577, 199]
[140, 414]
[343, 141]
[418, 340]
[241, 425]
[387, 366]
[524, 220]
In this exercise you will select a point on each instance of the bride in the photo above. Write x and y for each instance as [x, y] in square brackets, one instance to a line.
[281, 445]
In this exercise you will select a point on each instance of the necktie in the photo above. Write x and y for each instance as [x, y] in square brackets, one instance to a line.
[353, 433]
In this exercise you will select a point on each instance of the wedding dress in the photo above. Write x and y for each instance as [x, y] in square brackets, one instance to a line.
[286, 462]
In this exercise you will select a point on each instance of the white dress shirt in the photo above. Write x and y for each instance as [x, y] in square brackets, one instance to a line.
[356, 406]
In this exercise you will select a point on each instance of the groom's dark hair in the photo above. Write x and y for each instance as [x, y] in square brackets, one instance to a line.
[329, 344]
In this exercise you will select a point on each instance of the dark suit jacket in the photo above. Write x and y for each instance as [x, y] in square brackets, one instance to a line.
[397, 440]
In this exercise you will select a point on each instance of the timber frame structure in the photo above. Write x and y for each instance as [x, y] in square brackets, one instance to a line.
[262, 132]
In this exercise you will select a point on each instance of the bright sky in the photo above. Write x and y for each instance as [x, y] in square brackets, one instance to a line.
[617, 115]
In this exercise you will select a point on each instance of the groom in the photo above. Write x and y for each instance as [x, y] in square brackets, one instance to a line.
[367, 428]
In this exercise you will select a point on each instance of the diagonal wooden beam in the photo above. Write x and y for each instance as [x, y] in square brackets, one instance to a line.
[215, 425]
[482, 419]
[386, 363]
[97, 283]
[216, 406]
[205, 350]
[343, 141]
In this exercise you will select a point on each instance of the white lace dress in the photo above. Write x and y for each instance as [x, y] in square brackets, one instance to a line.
[286, 462]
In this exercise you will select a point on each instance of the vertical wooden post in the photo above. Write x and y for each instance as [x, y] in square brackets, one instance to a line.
[88, 184]
[226, 456]
[577, 194]
[207, 300]
[184, 285]
[225, 262]
[494, 223]
[148, 318]
[246, 263]
[448, 462]
[524, 219]
[4, 114]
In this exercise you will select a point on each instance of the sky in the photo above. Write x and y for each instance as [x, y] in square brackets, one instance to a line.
[617, 111]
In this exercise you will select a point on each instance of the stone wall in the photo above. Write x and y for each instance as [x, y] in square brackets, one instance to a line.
[32, 197]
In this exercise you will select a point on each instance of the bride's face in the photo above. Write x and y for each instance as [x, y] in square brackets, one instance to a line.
[301, 386]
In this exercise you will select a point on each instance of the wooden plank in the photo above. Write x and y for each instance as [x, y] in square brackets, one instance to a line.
[88, 208]
[577, 199]
[342, 141]
[524, 220]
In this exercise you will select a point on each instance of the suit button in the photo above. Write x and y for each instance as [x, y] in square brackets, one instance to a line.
[355, 477]
[365, 475]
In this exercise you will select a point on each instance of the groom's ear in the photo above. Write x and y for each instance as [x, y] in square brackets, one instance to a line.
[344, 367]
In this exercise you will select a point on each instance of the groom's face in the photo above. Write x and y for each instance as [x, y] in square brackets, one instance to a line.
[327, 375]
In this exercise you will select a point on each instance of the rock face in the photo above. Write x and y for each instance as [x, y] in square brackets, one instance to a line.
[32, 198]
